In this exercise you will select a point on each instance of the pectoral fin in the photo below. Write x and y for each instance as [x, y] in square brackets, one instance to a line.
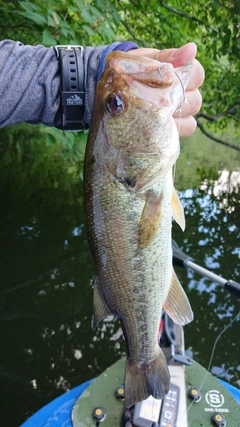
[100, 306]
[150, 219]
[177, 305]
[178, 213]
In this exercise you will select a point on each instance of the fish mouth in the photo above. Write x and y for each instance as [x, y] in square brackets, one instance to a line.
[148, 71]
[160, 84]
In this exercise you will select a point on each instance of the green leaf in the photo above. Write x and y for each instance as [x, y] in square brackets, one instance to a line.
[38, 19]
[50, 21]
[86, 16]
[114, 13]
[48, 39]
[109, 33]
[28, 6]
[88, 30]
[64, 31]
[50, 139]
[63, 40]
[100, 4]
[94, 12]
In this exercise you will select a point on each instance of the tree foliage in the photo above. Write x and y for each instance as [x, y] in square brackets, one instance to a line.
[213, 25]
[58, 22]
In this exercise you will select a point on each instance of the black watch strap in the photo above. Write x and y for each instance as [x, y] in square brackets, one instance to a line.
[72, 94]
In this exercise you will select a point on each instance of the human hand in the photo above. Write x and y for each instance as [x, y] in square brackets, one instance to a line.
[184, 119]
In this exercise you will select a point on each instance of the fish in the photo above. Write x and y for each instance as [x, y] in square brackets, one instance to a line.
[129, 202]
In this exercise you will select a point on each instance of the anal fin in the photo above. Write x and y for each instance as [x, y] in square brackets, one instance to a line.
[177, 305]
[100, 307]
[178, 212]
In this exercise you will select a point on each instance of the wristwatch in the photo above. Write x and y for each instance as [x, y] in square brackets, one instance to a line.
[72, 93]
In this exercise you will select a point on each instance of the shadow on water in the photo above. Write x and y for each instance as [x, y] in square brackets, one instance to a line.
[47, 275]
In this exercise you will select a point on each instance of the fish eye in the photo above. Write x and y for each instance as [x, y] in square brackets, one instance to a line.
[115, 104]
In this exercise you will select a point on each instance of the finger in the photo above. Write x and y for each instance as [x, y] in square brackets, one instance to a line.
[185, 55]
[178, 57]
[186, 126]
[191, 106]
[197, 76]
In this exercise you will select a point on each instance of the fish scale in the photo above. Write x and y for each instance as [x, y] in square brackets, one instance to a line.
[129, 201]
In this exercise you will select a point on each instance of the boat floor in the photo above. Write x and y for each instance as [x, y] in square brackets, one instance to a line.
[214, 398]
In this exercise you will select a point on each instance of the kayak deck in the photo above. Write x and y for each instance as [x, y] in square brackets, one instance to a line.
[102, 397]
[101, 394]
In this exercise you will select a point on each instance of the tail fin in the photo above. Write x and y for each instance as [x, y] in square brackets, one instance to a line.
[146, 379]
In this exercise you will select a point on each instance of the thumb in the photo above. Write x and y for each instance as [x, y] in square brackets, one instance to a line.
[176, 57]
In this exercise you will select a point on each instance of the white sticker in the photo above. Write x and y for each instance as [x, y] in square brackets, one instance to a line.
[214, 398]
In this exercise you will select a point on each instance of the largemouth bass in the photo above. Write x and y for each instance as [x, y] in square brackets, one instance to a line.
[129, 203]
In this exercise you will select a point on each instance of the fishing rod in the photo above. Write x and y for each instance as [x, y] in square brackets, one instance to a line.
[180, 259]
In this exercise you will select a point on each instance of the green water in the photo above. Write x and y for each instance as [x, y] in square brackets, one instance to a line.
[47, 345]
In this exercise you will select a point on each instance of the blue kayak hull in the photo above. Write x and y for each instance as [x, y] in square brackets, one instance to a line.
[58, 412]
[235, 392]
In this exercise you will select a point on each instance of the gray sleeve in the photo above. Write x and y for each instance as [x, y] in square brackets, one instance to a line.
[30, 83]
